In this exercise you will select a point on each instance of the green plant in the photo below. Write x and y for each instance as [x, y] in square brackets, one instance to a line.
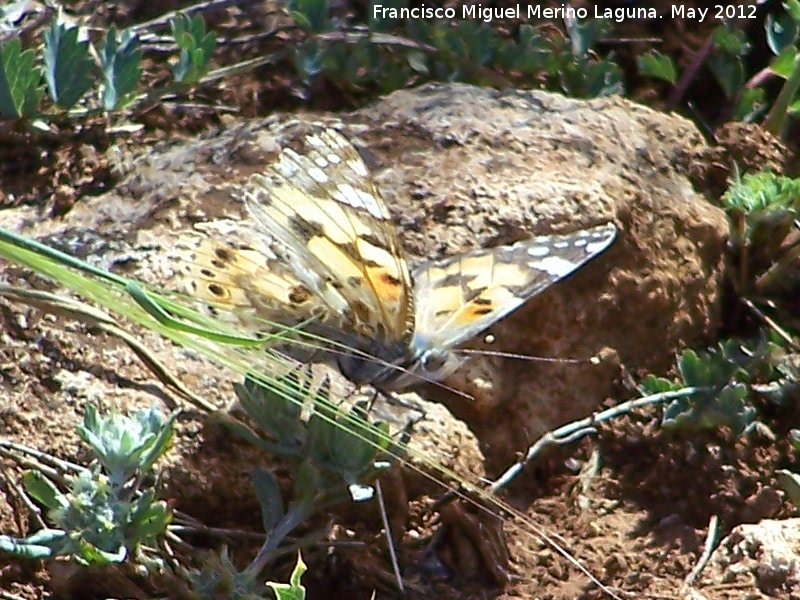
[121, 60]
[391, 50]
[20, 81]
[294, 589]
[196, 46]
[67, 64]
[334, 457]
[763, 208]
[724, 380]
[109, 513]
[70, 72]
[728, 47]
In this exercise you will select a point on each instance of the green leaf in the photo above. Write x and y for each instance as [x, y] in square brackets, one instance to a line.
[585, 34]
[781, 32]
[125, 445]
[121, 60]
[660, 66]
[418, 61]
[269, 498]
[91, 554]
[67, 64]
[656, 385]
[306, 486]
[44, 491]
[149, 519]
[294, 590]
[603, 78]
[783, 64]
[20, 81]
[728, 71]
[196, 47]
[278, 410]
[691, 369]
[311, 15]
[792, 8]
[750, 105]
[164, 430]
[730, 41]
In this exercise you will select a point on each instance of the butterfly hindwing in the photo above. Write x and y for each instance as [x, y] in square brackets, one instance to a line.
[459, 297]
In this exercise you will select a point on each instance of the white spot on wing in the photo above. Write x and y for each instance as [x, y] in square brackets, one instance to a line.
[598, 246]
[556, 266]
[538, 251]
[358, 167]
[318, 175]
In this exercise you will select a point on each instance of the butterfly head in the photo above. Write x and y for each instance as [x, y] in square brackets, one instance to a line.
[403, 368]
[435, 364]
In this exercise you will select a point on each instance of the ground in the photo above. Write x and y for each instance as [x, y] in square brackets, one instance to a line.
[631, 504]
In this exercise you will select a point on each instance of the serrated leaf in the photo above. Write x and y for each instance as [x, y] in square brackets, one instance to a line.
[150, 521]
[730, 41]
[657, 385]
[20, 81]
[67, 64]
[196, 46]
[121, 67]
[660, 66]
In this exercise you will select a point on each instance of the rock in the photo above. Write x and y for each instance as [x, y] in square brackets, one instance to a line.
[766, 554]
[463, 167]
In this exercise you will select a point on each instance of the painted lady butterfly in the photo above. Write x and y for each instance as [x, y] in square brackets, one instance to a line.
[319, 250]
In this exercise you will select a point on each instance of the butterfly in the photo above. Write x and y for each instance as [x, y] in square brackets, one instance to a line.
[318, 250]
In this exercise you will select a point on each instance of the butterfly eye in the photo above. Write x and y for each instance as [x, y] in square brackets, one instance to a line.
[433, 361]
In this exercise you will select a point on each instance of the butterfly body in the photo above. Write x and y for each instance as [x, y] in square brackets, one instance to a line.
[319, 251]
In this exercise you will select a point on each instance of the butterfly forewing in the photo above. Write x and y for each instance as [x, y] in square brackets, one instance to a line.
[327, 219]
[459, 297]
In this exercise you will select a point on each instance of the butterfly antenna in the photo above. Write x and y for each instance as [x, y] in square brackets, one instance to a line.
[528, 357]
